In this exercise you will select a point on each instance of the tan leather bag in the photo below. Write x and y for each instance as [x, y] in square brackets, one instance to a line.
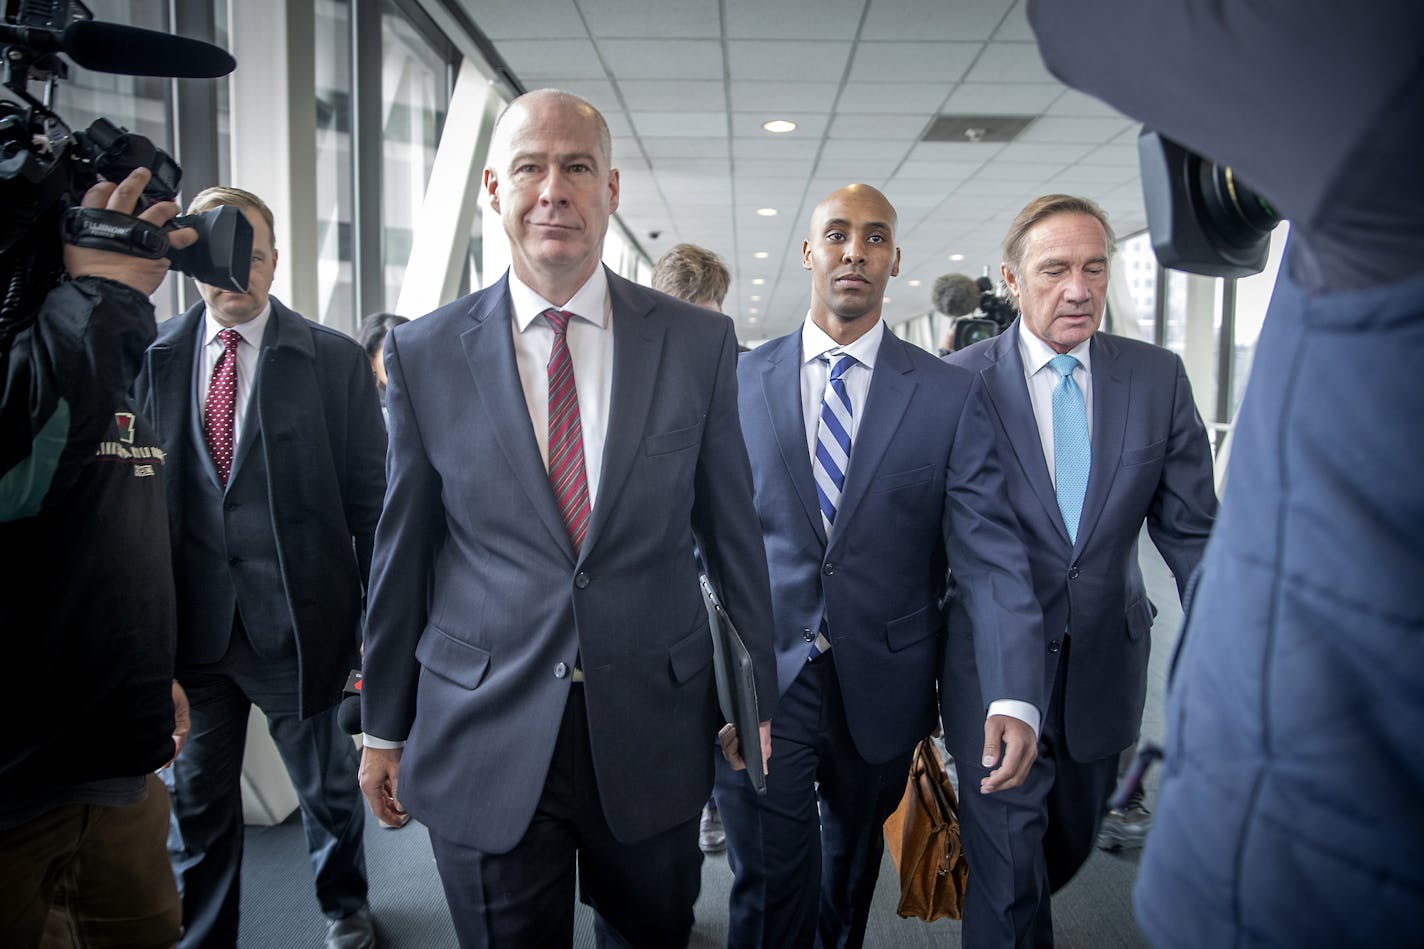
[923, 839]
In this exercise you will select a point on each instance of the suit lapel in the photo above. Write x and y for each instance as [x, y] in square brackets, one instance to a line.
[1111, 391]
[489, 351]
[277, 332]
[637, 353]
[1004, 382]
[781, 390]
[891, 387]
[173, 401]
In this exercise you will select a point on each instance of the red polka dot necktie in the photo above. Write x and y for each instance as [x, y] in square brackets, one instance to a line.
[566, 463]
[221, 406]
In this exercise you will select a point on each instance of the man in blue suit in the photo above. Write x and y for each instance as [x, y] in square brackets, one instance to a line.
[874, 469]
[274, 444]
[538, 674]
[1097, 434]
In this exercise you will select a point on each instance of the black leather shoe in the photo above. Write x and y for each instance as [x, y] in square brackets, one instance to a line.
[351, 932]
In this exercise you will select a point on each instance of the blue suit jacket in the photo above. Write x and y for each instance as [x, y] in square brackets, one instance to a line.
[1150, 461]
[923, 489]
[480, 607]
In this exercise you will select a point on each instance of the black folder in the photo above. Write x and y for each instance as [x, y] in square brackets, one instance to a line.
[736, 683]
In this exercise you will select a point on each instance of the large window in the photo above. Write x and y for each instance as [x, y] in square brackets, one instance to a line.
[335, 265]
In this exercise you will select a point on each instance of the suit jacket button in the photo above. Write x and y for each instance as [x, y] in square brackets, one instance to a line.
[1073, 572]
[581, 580]
[828, 569]
[807, 635]
[234, 561]
[561, 671]
[1053, 645]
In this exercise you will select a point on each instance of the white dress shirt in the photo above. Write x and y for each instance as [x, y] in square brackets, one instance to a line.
[590, 340]
[816, 372]
[1042, 379]
[210, 351]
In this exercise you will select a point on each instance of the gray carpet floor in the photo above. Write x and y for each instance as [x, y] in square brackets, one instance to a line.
[279, 909]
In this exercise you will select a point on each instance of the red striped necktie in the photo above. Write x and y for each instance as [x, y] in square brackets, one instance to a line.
[566, 464]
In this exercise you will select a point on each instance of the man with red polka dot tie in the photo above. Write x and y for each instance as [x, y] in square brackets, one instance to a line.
[276, 453]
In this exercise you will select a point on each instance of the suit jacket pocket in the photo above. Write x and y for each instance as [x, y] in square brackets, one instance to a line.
[907, 630]
[902, 479]
[1141, 456]
[675, 440]
[462, 663]
[691, 654]
[1139, 615]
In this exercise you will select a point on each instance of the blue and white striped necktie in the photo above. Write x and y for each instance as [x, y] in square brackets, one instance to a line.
[833, 438]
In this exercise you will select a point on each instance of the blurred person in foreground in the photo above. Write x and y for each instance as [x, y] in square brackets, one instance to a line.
[1289, 810]
[92, 708]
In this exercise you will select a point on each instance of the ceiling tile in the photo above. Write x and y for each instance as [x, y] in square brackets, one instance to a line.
[934, 19]
[797, 169]
[878, 125]
[1009, 62]
[893, 96]
[693, 95]
[681, 124]
[1074, 130]
[941, 63]
[775, 96]
[809, 127]
[980, 98]
[536, 59]
[1074, 103]
[794, 19]
[1015, 26]
[658, 59]
[694, 19]
[1033, 152]
[799, 61]
[557, 19]
[658, 148]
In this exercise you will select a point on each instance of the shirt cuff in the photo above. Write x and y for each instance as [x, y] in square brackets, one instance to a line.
[1023, 711]
[371, 741]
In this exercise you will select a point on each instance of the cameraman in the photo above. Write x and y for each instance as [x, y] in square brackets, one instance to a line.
[91, 708]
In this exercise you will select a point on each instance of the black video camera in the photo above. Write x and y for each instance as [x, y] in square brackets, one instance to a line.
[1202, 217]
[961, 297]
[45, 168]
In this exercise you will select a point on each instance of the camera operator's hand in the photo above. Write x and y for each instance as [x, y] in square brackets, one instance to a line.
[141, 274]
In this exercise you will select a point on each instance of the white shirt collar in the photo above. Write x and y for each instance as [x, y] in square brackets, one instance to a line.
[251, 331]
[1036, 354]
[590, 303]
[815, 343]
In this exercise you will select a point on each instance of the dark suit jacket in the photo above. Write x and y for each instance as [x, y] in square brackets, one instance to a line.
[480, 607]
[316, 420]
[924, 487]
[1150, 461]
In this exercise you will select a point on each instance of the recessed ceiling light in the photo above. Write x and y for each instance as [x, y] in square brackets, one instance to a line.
[767, 212]
[759, 281]
[761, 255]
[779, 126]
[751, 319]
[913, 283]
[752, 309]
[756, 297]
[956, 257]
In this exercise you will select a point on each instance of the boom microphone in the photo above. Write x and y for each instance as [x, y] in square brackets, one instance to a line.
[956, 295]
[129, 50]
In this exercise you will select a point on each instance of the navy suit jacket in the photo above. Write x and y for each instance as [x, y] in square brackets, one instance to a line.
[480, 607]
[323, 445]
[923, 489]
[1150, 461]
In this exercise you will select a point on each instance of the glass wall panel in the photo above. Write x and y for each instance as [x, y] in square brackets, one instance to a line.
[415, 95]
[1253, 296]
[1136, 265]
[333, 157]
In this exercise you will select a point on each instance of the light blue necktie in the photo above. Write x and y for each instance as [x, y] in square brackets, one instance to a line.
[832, 455]
[1071, 451]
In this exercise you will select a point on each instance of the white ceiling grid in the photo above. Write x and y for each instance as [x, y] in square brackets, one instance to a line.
[862, 79]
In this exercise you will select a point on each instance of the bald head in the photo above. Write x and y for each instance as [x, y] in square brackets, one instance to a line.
[851, 253]
[860, 195]
[544, 107]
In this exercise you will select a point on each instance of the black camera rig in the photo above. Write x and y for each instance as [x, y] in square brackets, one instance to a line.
[45, 167]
